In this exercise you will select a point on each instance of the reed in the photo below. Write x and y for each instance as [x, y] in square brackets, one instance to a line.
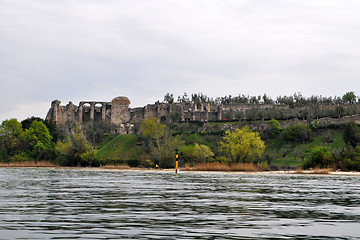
[218, 166]
[119, 166]
[314, 171]
[244, 167]
[28, 164]
[321, 171]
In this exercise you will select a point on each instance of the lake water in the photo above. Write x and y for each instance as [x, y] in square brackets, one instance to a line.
[93, 204]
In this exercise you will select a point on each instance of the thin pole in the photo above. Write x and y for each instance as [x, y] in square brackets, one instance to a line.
[176, 162]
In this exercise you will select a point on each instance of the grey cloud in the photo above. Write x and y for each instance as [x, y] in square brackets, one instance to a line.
[72, 50]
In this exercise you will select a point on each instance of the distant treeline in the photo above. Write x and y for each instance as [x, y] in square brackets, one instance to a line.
[296, 100]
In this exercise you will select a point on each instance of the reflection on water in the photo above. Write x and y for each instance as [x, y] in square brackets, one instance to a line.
[88, 204]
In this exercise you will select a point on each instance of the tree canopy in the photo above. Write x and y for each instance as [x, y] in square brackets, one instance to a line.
[298, 132]
[349, 98]
[351, 134]
[242, 145]
[202, 153]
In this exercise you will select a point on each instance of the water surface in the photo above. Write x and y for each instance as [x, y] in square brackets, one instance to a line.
[88, 204]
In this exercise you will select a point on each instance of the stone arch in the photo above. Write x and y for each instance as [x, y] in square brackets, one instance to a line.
[85, 113]
[163, 119]
[86, 105]
[98, 106]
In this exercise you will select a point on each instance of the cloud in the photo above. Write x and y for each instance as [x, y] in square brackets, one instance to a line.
[83, 50]
[23, 111]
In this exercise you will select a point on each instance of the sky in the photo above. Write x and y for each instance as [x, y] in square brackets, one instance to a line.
[96, 50]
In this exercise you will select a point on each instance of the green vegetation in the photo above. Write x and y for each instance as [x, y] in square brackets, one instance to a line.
[242, 145]
[297, 145]
[159, 144]
[275, 127]
[76, 151]
[261, 139]
[351, 134]
[297, 133]
[123, 149]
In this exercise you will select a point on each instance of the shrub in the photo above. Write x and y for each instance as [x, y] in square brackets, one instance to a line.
[351, 134]
[262, 166]
[319, 157]
[133, 162]
[275, 127]
[298, 133]
[202, 153]
[89, 159]
[20, 157]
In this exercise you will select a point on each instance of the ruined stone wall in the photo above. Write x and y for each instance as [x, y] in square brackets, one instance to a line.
[118, 112]
[62, 114]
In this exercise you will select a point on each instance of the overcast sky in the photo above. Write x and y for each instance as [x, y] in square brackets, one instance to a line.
[100, 49]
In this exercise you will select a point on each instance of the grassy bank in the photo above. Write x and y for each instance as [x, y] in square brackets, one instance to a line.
[123, 149]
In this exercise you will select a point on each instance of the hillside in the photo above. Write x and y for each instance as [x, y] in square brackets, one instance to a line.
[121, 149]
[280, 153]
[283, 153]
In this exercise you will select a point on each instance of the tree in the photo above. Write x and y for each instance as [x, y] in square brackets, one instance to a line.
[37, 133]
[275, 127]
[97, 132]
[26, 123]
[298, 132]
[159, 142]
[169, 98]
[351, 134]
[319, 157]
[349, 98]
[202, 153]
[151, 128]
[77, 151]
[164, 152]
[267, 99]
[38, 138]
[11, 138]
[242, 145]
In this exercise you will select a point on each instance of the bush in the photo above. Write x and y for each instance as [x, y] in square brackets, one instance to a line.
[222, 159]
[76, 152]
[149, 163]
[89, 159]
[275, 127]
[319, 157]
[351, 134]
[202, 153]
[349, 164]
[133, 162]
[20, 157]
[298, 133]
[262, 166]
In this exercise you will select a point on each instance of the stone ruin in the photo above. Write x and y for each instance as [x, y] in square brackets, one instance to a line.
[118, 112]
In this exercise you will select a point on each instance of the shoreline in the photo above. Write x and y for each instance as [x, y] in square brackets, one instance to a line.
[325, 172]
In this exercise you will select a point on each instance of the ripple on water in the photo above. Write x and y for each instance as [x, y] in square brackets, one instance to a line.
[60, 203]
